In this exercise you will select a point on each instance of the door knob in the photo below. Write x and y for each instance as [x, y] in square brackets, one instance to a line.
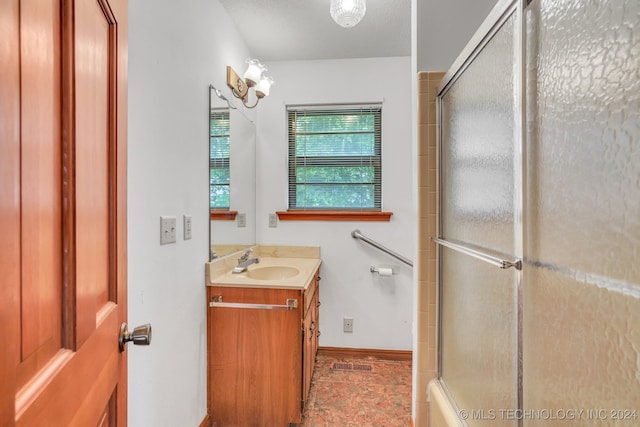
[140, 335]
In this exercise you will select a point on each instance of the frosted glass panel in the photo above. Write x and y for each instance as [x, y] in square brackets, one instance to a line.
[477, 149]
[479, 338]
[582, 278]
[478, 306]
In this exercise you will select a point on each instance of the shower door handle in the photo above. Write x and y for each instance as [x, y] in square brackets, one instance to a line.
[501, 263]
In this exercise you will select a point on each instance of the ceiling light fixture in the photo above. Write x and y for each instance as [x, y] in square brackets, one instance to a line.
[255, 77]
[347, 13]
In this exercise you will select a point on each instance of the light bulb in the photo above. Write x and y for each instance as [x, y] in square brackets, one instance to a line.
[263, 86]
[347, 13]
[254, 72]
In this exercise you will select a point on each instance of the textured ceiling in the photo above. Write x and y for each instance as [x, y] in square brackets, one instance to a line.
[280, 30]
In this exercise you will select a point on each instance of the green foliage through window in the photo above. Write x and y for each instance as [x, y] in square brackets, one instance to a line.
[335, 158]
[219, 159]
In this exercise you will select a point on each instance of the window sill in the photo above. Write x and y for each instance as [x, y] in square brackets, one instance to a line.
[223, 215]
[334, 216]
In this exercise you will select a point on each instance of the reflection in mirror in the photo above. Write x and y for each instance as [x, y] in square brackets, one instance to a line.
[231, 177]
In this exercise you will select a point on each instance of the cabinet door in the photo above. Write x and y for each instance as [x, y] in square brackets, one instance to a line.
[311, 331]
[254, 359]
[307, 345]
[315, 314]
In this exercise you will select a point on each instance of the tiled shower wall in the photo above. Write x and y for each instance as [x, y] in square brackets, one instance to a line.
[426, 265]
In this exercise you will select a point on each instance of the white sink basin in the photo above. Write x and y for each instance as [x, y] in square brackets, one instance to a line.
[274, 272]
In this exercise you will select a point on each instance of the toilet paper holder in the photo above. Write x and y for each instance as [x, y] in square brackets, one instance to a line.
[383, 271]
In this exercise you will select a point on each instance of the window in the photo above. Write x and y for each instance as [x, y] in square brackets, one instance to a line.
[219, 159]
[335, 159]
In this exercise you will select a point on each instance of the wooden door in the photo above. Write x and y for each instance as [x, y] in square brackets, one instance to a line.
[63, 292]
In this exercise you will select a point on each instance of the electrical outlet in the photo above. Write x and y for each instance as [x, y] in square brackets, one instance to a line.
[347, 324]
[273, 220]
[167, 230]
[241, 218]
[187, 227]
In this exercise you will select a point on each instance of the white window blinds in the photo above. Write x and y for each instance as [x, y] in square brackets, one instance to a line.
[219, 187]
[335, 158]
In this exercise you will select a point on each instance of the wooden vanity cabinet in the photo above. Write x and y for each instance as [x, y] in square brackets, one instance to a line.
[310, 334]
[260, 360]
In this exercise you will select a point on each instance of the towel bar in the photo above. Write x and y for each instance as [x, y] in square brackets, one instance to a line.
[291, 304]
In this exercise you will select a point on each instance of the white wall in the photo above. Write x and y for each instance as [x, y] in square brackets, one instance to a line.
[381, 307]
[444, 28]
[176, 49]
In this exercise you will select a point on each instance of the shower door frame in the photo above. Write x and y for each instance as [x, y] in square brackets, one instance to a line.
[502, 12]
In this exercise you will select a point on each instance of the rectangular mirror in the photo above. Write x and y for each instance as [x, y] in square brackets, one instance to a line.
[232, 177]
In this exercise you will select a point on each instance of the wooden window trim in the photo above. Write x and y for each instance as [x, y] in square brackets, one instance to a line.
[223, 215]
[295, 215]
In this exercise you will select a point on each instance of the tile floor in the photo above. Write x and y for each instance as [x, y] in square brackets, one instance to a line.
[359, 393]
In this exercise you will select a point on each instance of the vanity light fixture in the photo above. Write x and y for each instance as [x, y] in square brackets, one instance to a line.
[347, 13]
[254, 77]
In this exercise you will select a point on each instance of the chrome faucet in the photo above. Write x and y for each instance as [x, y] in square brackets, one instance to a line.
[244, 261]
[245, 255]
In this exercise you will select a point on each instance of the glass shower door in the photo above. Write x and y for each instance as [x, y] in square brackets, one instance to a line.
[582, 279]
[478, 227]
[555, 342]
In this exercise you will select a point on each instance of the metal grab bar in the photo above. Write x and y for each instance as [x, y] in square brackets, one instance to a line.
[357, 235]
[291, 304]
[517, 264]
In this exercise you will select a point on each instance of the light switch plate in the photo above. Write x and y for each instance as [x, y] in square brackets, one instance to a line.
[273, 220]
[187, 227]
[241, 218]
[167, 230]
